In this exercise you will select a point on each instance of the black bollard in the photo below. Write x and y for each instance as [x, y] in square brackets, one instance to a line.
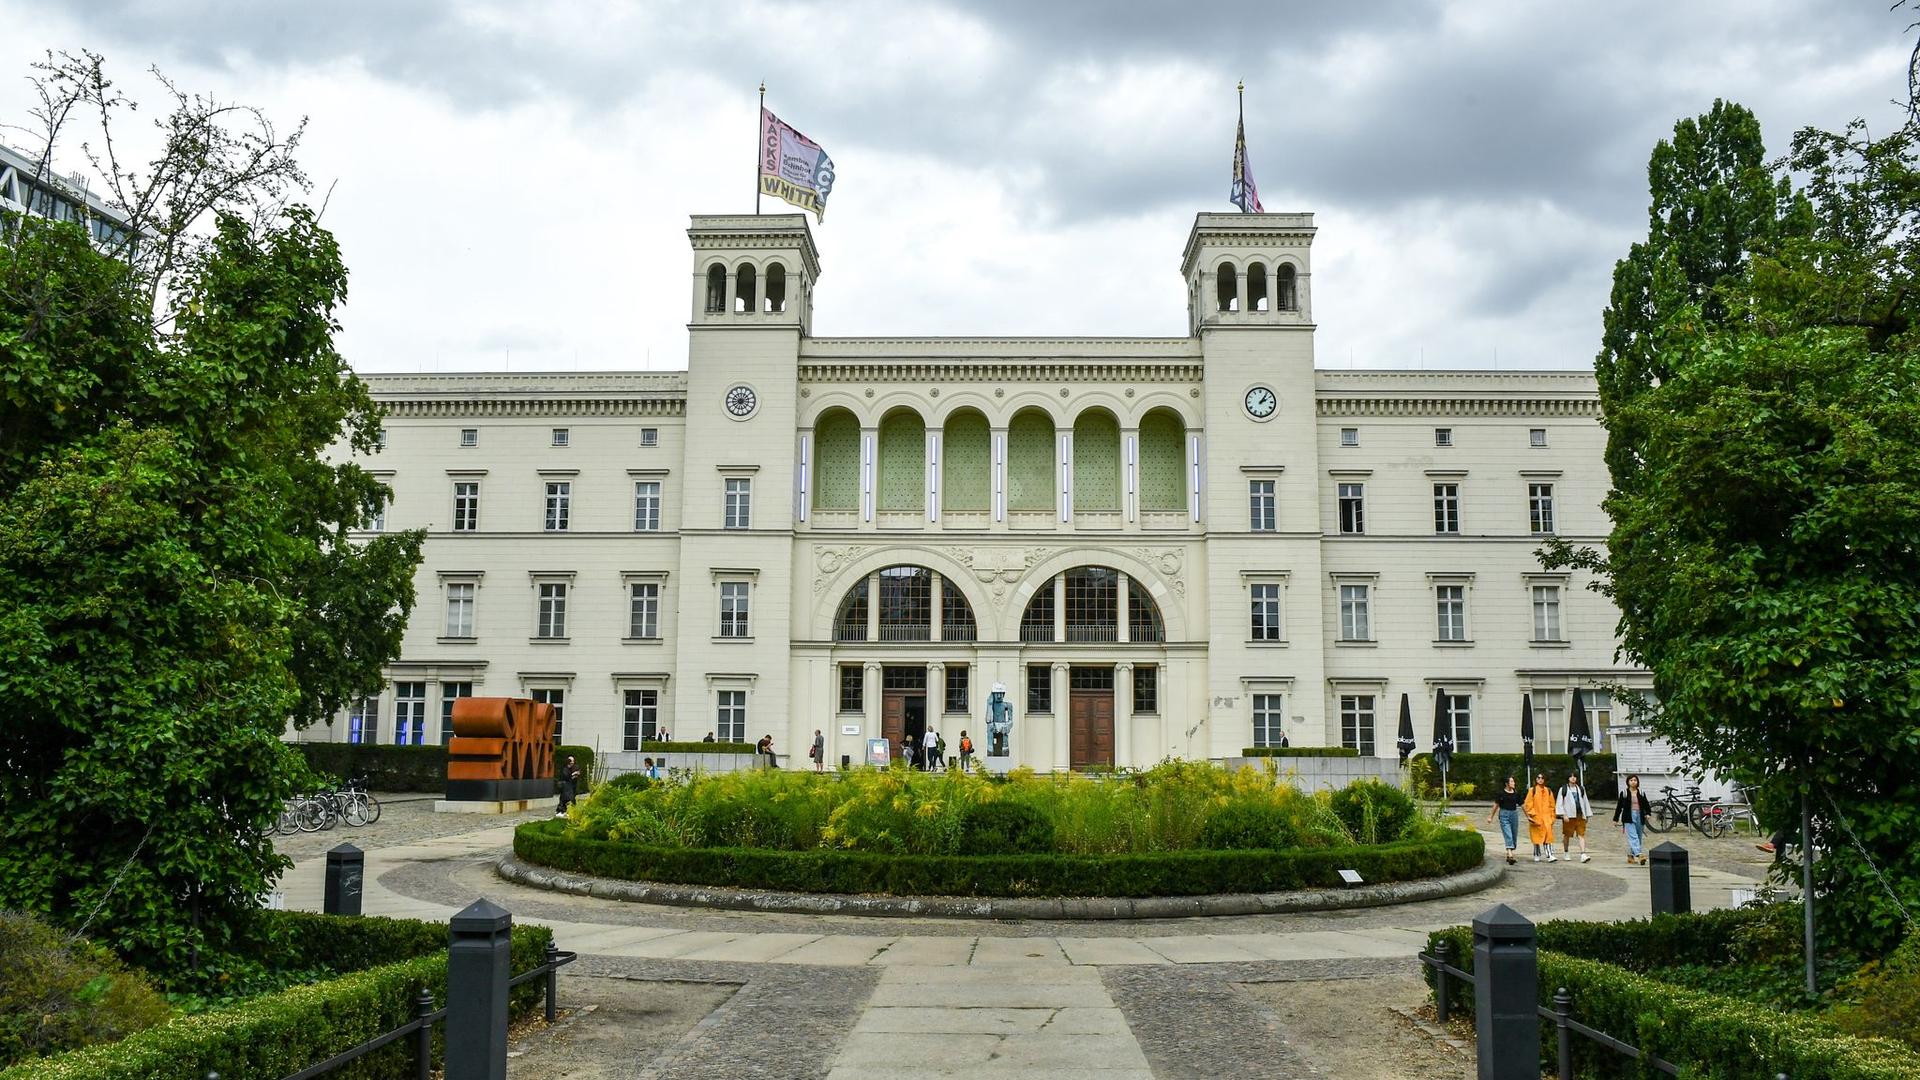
[1672, 891]
[1506, 995]
[346, 870]
[479, 956]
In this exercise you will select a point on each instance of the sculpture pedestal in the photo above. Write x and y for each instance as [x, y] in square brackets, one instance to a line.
[999, 765]
[494, 806]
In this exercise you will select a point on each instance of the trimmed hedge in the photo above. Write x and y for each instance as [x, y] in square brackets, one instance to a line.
[1710, 1036]
[1298, 751]
[387, 768]
[1181, 873]
[281, 1034]
[678, 747]
[1487, 772]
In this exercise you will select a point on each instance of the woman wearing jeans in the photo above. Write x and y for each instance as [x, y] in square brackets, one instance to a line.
[1631, 814]
[1506, 804]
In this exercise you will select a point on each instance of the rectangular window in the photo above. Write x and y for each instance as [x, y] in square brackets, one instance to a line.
[643, 613]
[1266, 613]
[469, 436]
[1349, 436]
[957, 683]
[552, 621]
[1537, 436]
[1039, 688]
[559, 505]
[1268, 711]
[1443, 436]
[733, 609]
[561, 436]
[1458, 711]
[451, 692]
[1146, 688]
[380, 439]
[853, 688]
[1540, 508]
[1599, 705]
[558, 699]
[377, 517]
[1260, 505]
[460, 609]
[1356, 723]
[639, 717]
[739, 503]
[649, 436]
[1549, 722]
[646, 506]
[466, 506]
[1355, 623]
[1446, 509]
[731, 717]
[409, 713]
[363, 720]
[1353, 511]
[1450, 602]
[1546, 613]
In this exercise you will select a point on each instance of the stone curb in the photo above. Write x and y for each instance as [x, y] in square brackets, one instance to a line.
[1018, 907]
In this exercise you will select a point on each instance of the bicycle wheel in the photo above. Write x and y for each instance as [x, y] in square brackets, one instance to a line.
[1665, 818]
[288, 822]
[1716, 824]
[353, 811]
[373, 807]
[311, 816]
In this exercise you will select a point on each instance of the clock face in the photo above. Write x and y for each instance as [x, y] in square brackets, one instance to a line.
[1260, 403]
[740, 401]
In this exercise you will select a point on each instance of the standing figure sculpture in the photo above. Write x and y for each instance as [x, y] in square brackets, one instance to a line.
[999, 722]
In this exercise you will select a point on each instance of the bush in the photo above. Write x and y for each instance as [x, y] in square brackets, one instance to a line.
[635, 781]
[1883, 998]
[1248, 827]
[1374, 812]
[57, 995]
[1298, 751]
[1173, 873]
[1005, 828]
[1487, 772]
[387, 768]
[678, 747]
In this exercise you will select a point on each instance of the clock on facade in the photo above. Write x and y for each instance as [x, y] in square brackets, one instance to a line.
[1260, 403]
[740, 401]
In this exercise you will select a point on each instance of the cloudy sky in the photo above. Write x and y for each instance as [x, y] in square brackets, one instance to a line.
[511, 181]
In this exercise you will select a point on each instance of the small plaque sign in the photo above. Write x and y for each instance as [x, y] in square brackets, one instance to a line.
[1351, 877]
[849, 729]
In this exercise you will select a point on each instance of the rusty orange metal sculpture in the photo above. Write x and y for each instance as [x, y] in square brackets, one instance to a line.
[502, 748]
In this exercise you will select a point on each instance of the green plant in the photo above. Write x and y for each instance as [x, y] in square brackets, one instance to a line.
[683, 747]
[1298, 751]
[57, 994]
[386, 768]
[1374, 812]
[1248, 827]
[1488, 772]
[1005, 828]
[1883, 997]
[637, 781]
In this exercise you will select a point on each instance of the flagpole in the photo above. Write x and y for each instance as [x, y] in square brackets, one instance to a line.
[758, 119]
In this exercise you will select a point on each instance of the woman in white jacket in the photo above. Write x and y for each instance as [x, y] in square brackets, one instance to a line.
[1574, 810]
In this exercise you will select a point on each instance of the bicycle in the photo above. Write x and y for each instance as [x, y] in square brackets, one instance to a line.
[356, 806]
[1671, 810]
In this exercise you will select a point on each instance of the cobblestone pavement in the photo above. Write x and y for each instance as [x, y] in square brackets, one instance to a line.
[850, 997]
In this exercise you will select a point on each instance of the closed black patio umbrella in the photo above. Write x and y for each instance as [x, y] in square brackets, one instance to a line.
[1579, 735]
[1406, 741]
[1442, 738]
[1526, 740]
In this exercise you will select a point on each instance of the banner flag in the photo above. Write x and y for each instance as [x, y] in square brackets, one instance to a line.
[793, 167]
[1245, 193]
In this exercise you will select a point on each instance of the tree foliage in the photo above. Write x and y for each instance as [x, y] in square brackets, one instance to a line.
[177, 582]
[1758, 380]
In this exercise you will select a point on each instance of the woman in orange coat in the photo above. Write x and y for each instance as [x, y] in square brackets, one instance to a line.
[1540, 809]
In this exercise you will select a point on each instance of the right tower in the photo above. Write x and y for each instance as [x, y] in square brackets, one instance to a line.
[1250, 302]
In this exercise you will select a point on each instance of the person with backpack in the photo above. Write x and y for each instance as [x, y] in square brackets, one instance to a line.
[1574, 809]
[937, 758]
[966, 753]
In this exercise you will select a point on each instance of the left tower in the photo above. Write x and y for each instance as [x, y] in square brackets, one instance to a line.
[753, 278]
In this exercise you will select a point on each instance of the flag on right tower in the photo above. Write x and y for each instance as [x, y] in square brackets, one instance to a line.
[1245, 194]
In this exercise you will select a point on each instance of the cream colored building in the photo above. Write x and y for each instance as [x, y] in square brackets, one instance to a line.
[1162, 547]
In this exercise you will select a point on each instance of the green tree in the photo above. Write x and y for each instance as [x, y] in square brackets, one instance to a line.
[177, 581]
[1764, 437]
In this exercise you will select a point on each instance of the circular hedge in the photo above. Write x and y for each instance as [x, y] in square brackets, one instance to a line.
[1172, 873]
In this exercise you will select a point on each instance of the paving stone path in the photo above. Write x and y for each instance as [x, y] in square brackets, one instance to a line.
[847, 997]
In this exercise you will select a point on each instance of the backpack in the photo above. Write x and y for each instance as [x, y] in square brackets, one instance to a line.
[966, 746]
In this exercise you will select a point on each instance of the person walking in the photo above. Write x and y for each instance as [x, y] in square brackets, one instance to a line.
[939, 752]
[966, 752]
[1574, 809]
[1506, 805]
[818, 752]
[906, 750]
[1540, 810]
[568, 786]
[1631, 814]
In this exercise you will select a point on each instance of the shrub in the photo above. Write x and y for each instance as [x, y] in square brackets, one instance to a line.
[679, 747]
[1005, 828]
[1374, 812]
[1248, 827]
[1883, 998]
[386, 768]
[57, 994]
[1487, 772]
[1298, 751]
[637, 781]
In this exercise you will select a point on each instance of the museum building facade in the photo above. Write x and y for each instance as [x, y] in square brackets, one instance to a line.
[1161, 547]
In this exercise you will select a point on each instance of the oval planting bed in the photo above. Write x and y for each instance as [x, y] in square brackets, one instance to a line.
[1181, 839]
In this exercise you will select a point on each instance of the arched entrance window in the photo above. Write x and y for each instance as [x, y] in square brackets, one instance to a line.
[899, 603]
[1092, 612]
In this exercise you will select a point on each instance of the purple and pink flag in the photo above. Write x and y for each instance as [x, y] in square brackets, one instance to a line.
[1245, 194]
[793, 167]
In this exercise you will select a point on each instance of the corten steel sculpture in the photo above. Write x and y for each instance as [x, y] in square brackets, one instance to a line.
[502, 749]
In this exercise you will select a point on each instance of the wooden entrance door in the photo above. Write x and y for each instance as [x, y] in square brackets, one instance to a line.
[1090, 734]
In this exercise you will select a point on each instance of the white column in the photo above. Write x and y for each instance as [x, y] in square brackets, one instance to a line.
[938, 603]
[802, 475]
[1059, 586]
[937, 697]
[1123, 714]
[1000, 474]
[1240, 283]
[867, 438]
[933, 475]
[1062, 708]
[870, 709]
[873, 606]
[1126, 624]
[1194, 475]
[1130, 498]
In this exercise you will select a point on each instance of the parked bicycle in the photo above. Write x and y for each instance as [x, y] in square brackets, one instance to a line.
[325, 810]
[1671, 809]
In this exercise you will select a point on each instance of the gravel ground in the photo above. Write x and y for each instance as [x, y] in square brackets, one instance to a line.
[1347, 1028]
[612, 1027]
[405, 817]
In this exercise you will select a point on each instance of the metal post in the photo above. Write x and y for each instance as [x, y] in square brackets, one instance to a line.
[346, 870]
[423, 1036]
[553, 980]
[846, 762]
[1667, 873]
[1442, 983]
[1506, 995]
[1806, 889]
[478, 966]
[1562, 1012]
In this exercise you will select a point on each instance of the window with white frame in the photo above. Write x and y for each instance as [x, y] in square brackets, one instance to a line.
[1540, 508]
[363, 719]
[1353, 510]
[646, 506]
[1356, 622]
[466, 505]
[562, 437]
[556, 697]
[469, 436]
[1349, 436]
[853, 688]
[1550, 721]
[1450, 608]
[551, 619]
[639, 717]
[643, 609]
[1546, 613]
[1537, 436]
[1146, 689]
[377, 515]
[649, 436]
[1446, 509]
[1356, 723]
[730, 718]
[1039, 689]
[380, 439]
[409, 713]
[1260, 512]
[1443, 436]
[1456, 711]
[734, 609]
[1599, 705]
[1268, 712]
[1265, 625]
[959, 681]
[451, 692]
[460, 596]
[559, 504]
[739, 502]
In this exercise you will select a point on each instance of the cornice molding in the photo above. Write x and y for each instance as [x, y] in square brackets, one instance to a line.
[569, 407]
[1447, 406]
[1008, 371]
